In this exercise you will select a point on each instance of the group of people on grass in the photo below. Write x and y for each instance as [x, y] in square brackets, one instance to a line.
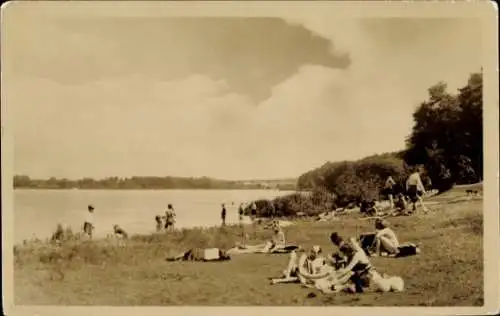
[400, 198]
[349, 268]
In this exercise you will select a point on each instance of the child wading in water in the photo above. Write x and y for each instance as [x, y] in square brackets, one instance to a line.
[88, 225]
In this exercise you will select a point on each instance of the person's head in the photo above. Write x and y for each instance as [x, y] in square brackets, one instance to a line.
[336, 239]
[170, 206]
[115, 227]
[315, 251]
[380, 223]
[158, 218]
[276, 228]
[90, 208]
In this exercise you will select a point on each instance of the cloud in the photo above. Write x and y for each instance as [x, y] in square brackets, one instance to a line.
[252, 107]
[251, 55]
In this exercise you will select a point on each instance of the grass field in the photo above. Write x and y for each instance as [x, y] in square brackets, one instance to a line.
[448, 272]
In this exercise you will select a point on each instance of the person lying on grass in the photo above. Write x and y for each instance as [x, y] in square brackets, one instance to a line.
[201, 254]
[277, 244]
[401, 205]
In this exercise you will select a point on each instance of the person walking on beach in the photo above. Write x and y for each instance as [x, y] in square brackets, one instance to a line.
[88, 225]
[389, 190]
[223, 215]
[415, 189]
[169, 217]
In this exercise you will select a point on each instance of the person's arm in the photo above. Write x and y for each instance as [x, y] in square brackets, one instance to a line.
[382, 232]
[355, 260]
[421, 185]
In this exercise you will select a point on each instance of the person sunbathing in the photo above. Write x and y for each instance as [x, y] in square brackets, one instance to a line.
[201, 254]
[386, 240]
[277, 244]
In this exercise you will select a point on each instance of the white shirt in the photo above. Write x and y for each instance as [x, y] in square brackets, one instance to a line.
[89, 218]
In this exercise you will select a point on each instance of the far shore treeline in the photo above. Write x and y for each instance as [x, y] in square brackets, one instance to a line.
[446, 140]
[151, 183]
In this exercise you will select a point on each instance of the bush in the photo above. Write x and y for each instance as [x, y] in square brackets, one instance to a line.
[310, 203]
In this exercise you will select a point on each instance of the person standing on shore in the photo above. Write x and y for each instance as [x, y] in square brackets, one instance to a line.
[415, 189]
[169, 217]
[88, 225]
[223, 215]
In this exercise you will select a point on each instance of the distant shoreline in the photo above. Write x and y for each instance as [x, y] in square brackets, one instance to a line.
[152, 189]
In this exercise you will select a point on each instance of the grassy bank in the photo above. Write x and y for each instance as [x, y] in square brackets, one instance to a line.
[448, 272]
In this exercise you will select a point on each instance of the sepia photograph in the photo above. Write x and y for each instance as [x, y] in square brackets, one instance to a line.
[231, 154]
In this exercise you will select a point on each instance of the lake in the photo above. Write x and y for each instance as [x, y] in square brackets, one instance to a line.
[37, 212]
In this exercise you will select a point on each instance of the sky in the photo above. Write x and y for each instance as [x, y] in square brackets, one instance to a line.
[230, 98]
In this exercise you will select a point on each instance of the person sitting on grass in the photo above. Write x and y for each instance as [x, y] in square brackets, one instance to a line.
[119, 232]
[400, 204]
[314, 263]
[313, 271]
[363, 274]
[368, 207]
[277, 241]
[386, 240]
[357, 263]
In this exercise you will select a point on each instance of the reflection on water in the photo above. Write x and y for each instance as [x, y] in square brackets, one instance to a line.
[37, 212]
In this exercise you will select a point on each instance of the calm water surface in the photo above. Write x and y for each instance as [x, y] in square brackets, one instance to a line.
[37, 212]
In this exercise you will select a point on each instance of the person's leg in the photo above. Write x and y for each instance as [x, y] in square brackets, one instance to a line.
[356, 279]
[391, 200]
[422, 205]
[387, 245]
[291, 266]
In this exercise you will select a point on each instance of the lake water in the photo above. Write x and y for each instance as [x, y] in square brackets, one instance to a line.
[37, 212]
